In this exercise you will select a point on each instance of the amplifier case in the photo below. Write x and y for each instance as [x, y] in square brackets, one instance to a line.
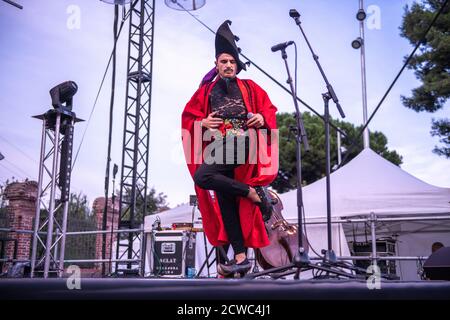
[173, 252]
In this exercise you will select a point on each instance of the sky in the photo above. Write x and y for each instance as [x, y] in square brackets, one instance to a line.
[51, 41]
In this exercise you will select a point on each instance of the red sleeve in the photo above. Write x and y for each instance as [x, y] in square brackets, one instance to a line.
[264, 106]
[191, 132]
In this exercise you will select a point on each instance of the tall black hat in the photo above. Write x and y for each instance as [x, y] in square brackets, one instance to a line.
[225, 43]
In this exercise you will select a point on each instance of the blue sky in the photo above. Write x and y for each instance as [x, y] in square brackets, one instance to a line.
[40, 49]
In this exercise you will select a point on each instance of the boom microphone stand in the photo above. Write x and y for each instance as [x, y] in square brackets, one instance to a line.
[18, 6]
[330, 256]
[329, 259]
[301, 259]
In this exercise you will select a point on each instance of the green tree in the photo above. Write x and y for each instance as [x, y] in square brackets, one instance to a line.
[156, 202]
[2, 198]
[4, 220]
[431, 65]
[314, 161]
[3, 212]
[79, 206]
[80, 218]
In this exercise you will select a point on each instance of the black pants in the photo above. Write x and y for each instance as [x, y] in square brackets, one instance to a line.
[220, 178]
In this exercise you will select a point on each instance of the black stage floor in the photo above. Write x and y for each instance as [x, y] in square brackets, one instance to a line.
[220, 289]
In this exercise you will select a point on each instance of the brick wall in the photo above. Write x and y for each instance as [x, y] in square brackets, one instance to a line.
[21, 210]
[98, 207]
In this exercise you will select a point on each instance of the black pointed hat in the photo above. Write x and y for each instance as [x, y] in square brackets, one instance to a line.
[225, 43]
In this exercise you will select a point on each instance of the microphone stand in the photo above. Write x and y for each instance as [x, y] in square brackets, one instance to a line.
[18, 6]
[329, 255]
[113, 198]
[301, 259]
[329, 259]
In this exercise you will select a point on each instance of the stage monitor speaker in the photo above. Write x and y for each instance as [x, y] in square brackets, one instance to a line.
[437, 266]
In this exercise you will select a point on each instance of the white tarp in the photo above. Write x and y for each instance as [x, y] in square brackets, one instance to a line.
[369, 183]
[181, 214]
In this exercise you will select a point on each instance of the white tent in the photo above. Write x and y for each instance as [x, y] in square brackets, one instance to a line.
[181, 214]
[371, 184]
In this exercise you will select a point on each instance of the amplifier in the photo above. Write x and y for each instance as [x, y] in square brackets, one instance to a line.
[173, 253]
[385, 247]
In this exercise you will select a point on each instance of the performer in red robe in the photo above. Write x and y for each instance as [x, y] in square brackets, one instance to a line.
[238, 113]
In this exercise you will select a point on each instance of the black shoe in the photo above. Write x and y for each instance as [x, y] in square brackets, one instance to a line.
[241, 268]
[221, 266]
[265, 206]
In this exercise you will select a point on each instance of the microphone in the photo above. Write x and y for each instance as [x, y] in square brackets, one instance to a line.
[281, 46]
[250, 115]
[294, 13]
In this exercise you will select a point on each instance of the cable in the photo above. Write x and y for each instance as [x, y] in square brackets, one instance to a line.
[181, 6]
[18, 6]
[12, 164]
[306, 234]
[98, 94]
[12, 171]
[28, 157]
[18, 149]
[108, 157]
[296, 58]
[422, 39]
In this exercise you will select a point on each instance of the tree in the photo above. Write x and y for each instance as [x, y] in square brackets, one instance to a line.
[3, 212]
[431, 65]
[4, 221]
[314, 161]
[79, 206]
[155, 203]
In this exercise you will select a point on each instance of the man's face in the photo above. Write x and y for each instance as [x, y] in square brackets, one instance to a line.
[226, 66]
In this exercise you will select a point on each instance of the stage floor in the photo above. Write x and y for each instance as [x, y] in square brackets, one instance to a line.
[220, 289]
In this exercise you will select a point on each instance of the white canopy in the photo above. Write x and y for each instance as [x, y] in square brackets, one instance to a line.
[180, 214]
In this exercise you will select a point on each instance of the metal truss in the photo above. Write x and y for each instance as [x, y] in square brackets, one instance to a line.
[134, 171]
[53, 192]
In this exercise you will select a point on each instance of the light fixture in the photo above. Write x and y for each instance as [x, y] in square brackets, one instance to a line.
[63, 94]
[185, 5]
[357, 43]
[361, 15]
[120, 2]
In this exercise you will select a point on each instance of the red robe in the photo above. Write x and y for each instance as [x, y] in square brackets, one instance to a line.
[261, 173]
